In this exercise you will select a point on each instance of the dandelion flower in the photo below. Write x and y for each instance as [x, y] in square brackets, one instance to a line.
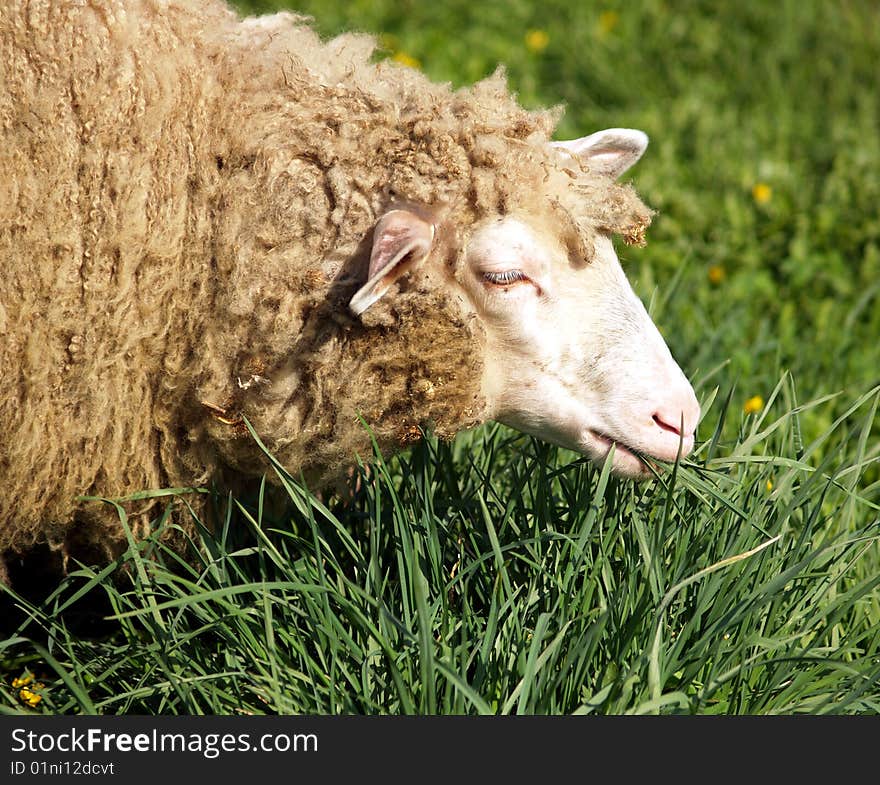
[716, 274]
[404, 59]
[753, 405]
[28, 689]
[22, 681]
[769, 486]
[762, 193]
[537, 40]
[607, 22]
[30, 697]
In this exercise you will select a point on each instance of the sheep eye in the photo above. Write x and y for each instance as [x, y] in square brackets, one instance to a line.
[504, 278]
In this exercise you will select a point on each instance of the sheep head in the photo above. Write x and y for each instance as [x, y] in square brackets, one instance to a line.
[570, 354]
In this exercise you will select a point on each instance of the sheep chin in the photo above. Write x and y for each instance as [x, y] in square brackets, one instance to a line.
[626, 462]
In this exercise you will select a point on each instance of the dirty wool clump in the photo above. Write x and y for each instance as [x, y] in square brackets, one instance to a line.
[187, 208]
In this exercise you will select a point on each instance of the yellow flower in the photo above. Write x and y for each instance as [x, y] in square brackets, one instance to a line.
[607, 22]
[716, 274]
[762, 193]
[537, 40]
[23, 681]
[28, 689]
[29, 694]
[30, 697]
[753, 405]
[404, 59]
[769, 486]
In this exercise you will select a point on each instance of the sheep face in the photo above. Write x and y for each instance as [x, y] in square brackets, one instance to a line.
[571, 355]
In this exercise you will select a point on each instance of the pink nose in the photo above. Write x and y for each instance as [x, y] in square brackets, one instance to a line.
[674, 423]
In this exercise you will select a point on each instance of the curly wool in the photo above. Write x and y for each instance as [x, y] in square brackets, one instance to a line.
[187, 208]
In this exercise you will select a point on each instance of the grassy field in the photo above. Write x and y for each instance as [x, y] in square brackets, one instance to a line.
[497, 574]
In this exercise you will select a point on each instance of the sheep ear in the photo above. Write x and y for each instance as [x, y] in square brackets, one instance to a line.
[610, 152]
[401, 240]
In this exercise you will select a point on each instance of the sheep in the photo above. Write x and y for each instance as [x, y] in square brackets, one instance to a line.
[207, 221]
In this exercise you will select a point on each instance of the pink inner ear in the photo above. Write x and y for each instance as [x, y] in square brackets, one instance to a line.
[398, 233]
[401, 239]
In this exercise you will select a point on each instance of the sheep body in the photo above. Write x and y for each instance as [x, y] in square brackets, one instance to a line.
[187, 207]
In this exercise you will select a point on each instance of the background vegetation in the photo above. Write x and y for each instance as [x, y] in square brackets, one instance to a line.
[498, 574]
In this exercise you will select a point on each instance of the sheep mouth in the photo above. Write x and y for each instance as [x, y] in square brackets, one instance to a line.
[627, 460]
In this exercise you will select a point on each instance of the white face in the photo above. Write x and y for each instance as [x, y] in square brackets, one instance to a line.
[572, 356]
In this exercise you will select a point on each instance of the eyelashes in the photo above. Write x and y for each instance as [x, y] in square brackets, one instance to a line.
[505, 277]
[503, 280]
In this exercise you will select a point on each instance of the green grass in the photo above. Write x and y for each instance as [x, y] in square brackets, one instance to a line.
[497, 574]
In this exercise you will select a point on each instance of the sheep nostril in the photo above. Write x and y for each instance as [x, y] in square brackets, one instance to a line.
[676, 429]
